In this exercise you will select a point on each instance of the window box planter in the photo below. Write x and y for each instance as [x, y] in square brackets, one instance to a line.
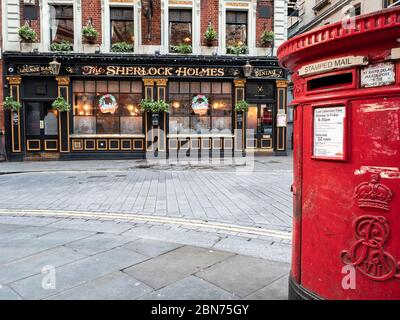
[29, 46]
[90, 48]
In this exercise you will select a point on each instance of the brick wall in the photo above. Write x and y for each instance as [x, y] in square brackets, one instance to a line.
[263, 23]
[35, 24]
[154, 37]
[209, 13]
[92, 9]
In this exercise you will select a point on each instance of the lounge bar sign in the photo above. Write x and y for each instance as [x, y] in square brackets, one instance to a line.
[331, 65]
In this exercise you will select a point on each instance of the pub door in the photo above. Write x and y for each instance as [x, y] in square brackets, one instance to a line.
[41, 127]
[260, 122]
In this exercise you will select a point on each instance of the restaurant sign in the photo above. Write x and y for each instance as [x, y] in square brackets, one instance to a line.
[140, 71]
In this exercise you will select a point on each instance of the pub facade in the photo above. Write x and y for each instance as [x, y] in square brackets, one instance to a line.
[105, 91]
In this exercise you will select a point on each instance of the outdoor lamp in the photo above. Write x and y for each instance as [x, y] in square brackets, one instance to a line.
[248, 69]
[55, 67]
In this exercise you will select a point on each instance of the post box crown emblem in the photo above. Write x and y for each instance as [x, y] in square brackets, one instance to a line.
[374, 194]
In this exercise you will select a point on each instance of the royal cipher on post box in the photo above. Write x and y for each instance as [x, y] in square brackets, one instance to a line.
[346, 225]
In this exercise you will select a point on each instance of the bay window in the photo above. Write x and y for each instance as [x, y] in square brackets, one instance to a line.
[107, 107]
[217, 119]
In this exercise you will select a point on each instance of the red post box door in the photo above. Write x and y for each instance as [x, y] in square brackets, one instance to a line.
[351, 199]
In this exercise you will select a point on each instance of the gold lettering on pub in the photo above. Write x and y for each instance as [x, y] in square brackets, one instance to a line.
[153, 71]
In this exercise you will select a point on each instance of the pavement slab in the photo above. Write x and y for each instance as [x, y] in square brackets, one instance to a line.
[190, 288]
[113, 286]
[254, 274]
[175, 265]
[151, 248]
[77, 273]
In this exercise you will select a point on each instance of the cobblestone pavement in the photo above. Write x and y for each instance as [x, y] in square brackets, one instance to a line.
[223, 193]
[64, 258]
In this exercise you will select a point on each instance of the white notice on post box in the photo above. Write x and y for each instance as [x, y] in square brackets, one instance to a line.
[377, 75]
[329, 132]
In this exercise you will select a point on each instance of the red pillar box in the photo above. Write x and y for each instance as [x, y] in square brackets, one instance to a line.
[347, 159]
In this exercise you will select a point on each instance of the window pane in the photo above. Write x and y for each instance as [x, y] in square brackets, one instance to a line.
[236, 33]
[33, 119]
[221, 106]
[227, 87]
[125, 86]
[131, 125]
[179, 125]
[90, 86]
[205, 87]
[129, 104]
[102, 86]
[122, 31]
[78, 86]
[107, 125]
[216, 87]
[200, 124]
[230, 17]
[174, 87]
[184, 87]
[121, 13]
[137, 87]
[195, 88]
[222, 125]
[61, 24]
[84, 125]
[241, 17]
[113, 86]
[180, 33]
[84, 104]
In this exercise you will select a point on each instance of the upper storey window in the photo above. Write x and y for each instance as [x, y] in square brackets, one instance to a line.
[236, 31]
[61, 23]
[180, 30]
[122, 29]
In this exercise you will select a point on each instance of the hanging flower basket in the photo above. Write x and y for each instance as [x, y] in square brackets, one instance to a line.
[61, 105]
[200, 105]
[10, 104]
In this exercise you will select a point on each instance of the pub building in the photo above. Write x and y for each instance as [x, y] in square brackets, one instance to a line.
[105, 120]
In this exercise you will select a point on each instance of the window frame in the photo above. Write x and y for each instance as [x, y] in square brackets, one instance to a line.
[170, 21]
[247, 24]
[50, 5]
[212, 113]
[111, 8]
[96, 113]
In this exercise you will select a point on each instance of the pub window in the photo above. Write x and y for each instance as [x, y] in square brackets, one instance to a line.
[122, 29]
[180, 28]
[61, 23]
[217, 119]
[236, 28]
[107, 107]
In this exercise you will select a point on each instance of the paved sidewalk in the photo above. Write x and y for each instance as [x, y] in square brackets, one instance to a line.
[61, 258]
[220, 193]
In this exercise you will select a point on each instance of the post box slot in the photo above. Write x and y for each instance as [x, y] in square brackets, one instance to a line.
[330, 82]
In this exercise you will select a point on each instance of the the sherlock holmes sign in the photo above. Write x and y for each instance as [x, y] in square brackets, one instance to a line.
[153, 71]
[163, 71]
